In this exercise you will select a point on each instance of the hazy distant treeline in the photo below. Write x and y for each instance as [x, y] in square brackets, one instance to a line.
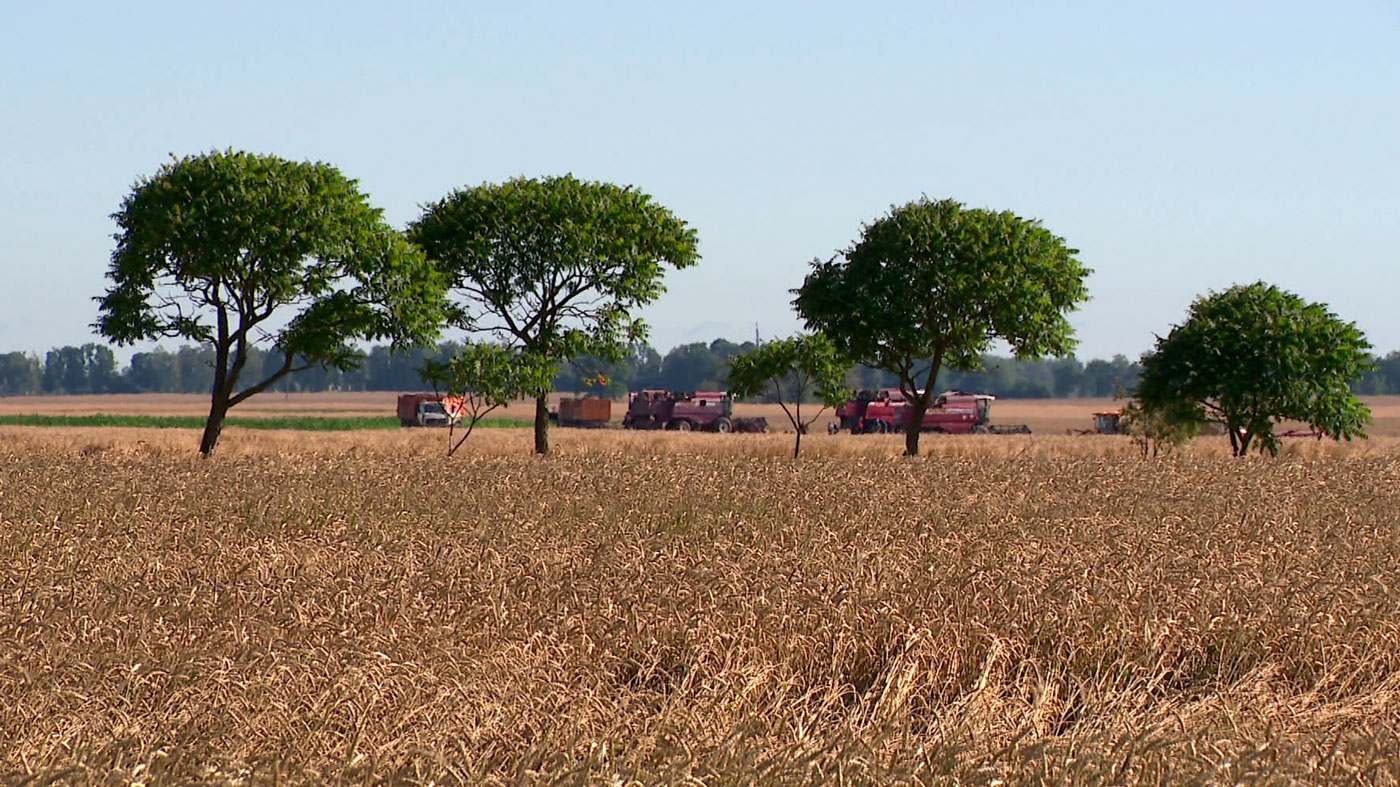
[92, 368]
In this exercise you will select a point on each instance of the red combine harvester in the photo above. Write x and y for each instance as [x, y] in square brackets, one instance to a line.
[951, 412]
[708, 411]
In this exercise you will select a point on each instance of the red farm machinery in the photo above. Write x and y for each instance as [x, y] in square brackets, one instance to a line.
[686, 411]
[951, 412]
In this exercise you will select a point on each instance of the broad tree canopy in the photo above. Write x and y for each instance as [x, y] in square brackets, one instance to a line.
[935, 284]
[231, 248]
[1254, 355]
[554, 268]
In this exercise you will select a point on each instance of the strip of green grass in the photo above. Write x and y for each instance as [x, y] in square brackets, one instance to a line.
[301, 423]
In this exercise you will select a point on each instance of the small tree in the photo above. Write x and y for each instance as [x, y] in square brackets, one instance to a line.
[934, 284]
[1254, 355]
[790, 370]
[1158, 431]
[228, 249]
[554, 268]
[485, 377]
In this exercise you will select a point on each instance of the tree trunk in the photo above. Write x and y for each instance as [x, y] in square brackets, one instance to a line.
[919, 404]
[1239, 440]
[911, 433]
[796, 419]
[542, 425]
[215, 425]
[916, 408]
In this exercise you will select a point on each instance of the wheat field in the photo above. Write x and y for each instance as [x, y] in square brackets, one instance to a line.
[658, 608]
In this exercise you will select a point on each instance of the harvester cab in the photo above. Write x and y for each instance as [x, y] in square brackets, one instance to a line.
[962, 400]
[1109, 422]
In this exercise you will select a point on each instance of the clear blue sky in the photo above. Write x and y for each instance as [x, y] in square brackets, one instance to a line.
[1180, 146]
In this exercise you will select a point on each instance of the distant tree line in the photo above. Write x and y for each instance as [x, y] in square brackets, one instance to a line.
[700, 366]
[92, 369]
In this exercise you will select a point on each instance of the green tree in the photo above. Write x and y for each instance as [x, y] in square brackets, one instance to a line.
[195, 368]
[1383, 379]
[100, 366]
[1389, 369]
[790, 370]
[934, 284]
[485, 376]
[20, 374]
[1254, 355]
[693, 367]
[639, 368]
[1067, 375]
[1156, 431]
[387, 370]
[555, 267]
[601, 377]
[154, 372]
[229, 249]
[64, 371]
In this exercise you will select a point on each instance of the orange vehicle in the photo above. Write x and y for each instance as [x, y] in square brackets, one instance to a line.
[429, 409]
[589, 413]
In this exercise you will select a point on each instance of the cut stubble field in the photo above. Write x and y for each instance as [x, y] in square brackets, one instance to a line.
[1045, 416]
[694, 609]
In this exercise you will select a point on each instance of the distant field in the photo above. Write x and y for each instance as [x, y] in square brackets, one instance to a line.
[1045, 416]
[300, 422]
[693, 609]
[379, 404]
[304, 423]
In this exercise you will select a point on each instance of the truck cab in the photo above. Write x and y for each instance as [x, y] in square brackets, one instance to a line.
[433, 414]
